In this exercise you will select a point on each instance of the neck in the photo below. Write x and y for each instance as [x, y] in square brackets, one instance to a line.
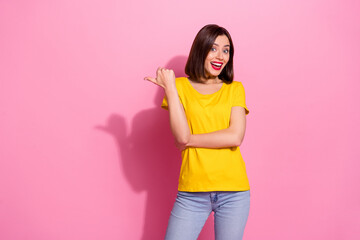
[210, 80]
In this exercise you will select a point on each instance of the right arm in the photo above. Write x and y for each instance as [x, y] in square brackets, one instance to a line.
[165, 78]
[178, 122]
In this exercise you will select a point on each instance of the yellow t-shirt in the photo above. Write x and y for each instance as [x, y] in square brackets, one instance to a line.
[211, 169]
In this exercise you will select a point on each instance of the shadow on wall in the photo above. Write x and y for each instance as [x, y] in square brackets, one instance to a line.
[149, 158]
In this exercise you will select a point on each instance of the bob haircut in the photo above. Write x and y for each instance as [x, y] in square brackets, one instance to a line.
[200, 48]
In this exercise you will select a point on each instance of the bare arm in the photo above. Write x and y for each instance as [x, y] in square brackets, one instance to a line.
[165, 78]
[229, 137]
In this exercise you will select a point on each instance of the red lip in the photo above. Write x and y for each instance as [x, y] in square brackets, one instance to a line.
[216, 67]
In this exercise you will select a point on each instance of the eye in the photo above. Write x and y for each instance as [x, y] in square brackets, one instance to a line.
[213, 49]
[226, 51]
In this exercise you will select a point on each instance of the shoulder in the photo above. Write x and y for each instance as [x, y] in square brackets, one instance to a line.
[235, 86]
[181, 80]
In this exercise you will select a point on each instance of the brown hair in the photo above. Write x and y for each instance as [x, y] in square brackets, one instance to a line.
[200, 48]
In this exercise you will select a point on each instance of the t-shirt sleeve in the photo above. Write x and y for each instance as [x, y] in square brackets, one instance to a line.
[164, 103]
[239, 97]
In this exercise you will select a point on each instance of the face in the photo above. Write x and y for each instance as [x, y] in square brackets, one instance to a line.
[218, 56]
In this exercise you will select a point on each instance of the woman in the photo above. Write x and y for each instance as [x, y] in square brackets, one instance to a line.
[207, 118]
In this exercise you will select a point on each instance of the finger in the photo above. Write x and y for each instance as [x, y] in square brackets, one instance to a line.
[151, 79]
[158, 71]
[154, 80]
[162, 69]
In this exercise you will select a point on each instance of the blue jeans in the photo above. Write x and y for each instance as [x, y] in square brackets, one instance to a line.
[191, 209]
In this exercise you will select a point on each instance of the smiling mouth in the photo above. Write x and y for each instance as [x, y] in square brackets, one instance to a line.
[216, 65]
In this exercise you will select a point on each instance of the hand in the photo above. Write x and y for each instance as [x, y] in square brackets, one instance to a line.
[165, 78]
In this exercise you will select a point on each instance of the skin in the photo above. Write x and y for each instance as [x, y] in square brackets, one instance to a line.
[220, 53]
[229, 137]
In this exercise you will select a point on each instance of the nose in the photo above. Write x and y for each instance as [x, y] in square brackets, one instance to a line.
[220, 55]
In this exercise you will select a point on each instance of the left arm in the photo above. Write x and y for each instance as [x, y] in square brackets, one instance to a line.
[229, 137]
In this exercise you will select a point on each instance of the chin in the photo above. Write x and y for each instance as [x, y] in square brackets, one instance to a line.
[212, 74]
[209, 75]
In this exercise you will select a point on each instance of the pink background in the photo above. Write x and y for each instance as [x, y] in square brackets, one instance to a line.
[86, 152]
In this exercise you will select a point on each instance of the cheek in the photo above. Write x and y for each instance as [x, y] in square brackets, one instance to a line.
[227, 56]
[207, 61]
[226, 60]
[210, 56]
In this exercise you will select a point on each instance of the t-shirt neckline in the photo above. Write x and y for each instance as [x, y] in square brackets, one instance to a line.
[210, 94]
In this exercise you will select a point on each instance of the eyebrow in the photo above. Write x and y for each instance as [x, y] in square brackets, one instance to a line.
[218, 45]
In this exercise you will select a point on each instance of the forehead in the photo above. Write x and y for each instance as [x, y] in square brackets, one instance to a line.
[222, 40]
